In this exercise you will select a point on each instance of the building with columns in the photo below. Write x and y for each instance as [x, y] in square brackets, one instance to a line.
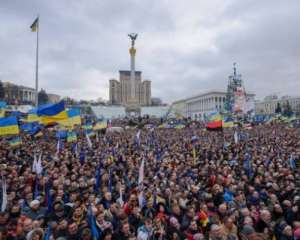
[119, 91]
[269, 104]
[16, 94]
[199, 106]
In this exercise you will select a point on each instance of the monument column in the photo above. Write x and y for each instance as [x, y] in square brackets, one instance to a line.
[133, 103]
[132, 52]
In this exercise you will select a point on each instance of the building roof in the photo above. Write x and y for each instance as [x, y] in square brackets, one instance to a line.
[206, 94]
[199, 95]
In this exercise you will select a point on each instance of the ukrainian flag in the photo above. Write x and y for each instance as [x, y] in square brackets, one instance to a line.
[73, 118]
[52, 113]
[72, 137]
[32, 116]
[9, 125]
[34, 26]
[15, 142]
[100, 125]
[227, 122]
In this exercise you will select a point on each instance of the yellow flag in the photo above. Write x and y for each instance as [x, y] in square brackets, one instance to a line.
[34, 26]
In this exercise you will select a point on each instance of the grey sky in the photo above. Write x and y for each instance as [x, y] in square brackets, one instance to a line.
[184, 47]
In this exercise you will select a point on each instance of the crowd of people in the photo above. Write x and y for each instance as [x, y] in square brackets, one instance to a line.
[164, 184]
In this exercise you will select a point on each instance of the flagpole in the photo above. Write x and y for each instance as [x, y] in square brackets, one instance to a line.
[37, 64]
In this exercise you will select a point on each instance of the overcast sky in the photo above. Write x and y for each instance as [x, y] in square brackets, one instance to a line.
[184, 47]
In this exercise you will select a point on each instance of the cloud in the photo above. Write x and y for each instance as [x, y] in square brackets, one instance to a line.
[183, 47]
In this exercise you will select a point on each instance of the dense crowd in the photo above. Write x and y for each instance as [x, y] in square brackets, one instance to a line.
[197, 184]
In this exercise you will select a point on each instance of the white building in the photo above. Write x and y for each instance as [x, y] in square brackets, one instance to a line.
[269, 104]
[199, 106]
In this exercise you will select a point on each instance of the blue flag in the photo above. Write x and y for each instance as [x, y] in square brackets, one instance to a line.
[92, 224]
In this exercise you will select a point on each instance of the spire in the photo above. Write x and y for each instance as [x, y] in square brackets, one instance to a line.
[234, 69]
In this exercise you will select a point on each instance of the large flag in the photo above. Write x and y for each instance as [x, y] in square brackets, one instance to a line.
[140, 183]
[4, 195]
[32, 116]
[52, 113]
[34, 26]
[214, 121]
[9, 125]
[73, 118]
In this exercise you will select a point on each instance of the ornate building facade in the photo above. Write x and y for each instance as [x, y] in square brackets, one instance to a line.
[119, 91]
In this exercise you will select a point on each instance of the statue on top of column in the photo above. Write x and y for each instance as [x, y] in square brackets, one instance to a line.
[133, 37]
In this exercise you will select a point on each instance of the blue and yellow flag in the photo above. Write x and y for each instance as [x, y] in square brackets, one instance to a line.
[34, 26]
[9, 125]
[73, 118]
[15, 141]
[52, 113]
[72, 137]
[32, 116]
[100, 125]
[227, 122]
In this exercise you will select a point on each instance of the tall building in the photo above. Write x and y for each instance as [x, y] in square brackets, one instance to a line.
[119, 91]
